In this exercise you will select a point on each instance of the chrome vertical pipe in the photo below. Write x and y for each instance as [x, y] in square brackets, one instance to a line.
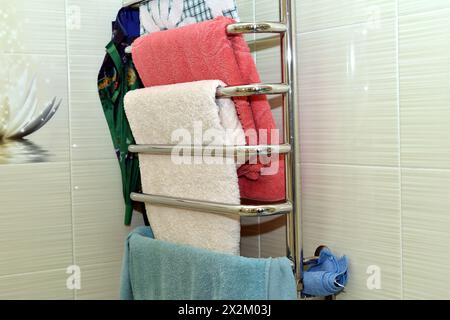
[291, 134]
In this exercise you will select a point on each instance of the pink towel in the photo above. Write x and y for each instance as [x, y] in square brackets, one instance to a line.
[204, 51]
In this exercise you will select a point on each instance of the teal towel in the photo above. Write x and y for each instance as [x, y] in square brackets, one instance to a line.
[158, 270]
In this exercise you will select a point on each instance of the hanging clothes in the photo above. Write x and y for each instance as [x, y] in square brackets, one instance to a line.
[117, 76]
[204, 51]
[157, 15]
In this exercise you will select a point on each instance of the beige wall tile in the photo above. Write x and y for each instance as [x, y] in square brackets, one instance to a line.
[90, 135]
[322, 14]
[267, 10]
[355, 211]
[33, 27]
[348, 96]
[268, 60]
[46, 285]
[250, 237]
[426, 233]
[246, 10]
[100, 282]
[273, 237]
[424, 96]
[419, 6]
[89, 25]
[98, 210]
[36, 231]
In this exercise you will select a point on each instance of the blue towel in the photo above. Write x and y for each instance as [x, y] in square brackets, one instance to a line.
[327, 276]
[158, 270]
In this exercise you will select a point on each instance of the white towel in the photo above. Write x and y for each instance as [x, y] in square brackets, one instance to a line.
[155, 114]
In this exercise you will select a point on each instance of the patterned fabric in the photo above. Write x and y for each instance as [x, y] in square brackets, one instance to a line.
[117, 76]
[157, 15]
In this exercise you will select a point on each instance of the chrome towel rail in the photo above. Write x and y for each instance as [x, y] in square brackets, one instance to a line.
[246, 27]
[252, 89]
[256, 27]
[287, 30]
[224, 151]
[215, 207]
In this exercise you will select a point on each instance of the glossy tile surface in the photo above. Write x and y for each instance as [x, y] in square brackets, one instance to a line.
[273, 237]
[424, 96]
[100, 282]
[420, 6]
[250, 237]
[246, 10]
[426, 233]
[89, 25]
[47, 285]
[348, 96]
[356, 211]
[90, 137]
[325, 14]
[35, 214]
[98, 211]
[33, 27]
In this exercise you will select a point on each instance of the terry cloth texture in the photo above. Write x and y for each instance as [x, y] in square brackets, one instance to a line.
[160, 15]
[204, 51]
[179, 114]
[158, 270]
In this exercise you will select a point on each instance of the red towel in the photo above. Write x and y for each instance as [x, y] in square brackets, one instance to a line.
[204, 51]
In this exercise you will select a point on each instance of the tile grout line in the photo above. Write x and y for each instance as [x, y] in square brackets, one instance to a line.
[12, 275]
[431, 11]
[355, 24]
[371, 166]
[343, 26]
[397, 35]
[69, 104]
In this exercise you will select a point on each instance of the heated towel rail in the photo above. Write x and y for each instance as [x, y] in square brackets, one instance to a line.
[291, 207]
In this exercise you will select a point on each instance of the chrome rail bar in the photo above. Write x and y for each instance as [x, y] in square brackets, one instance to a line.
[256, 27]
[252, 89]
[215, 207]
[291, 118]
[245, 27]
[225, 151]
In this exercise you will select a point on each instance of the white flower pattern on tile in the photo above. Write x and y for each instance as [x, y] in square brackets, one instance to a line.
[18, 107]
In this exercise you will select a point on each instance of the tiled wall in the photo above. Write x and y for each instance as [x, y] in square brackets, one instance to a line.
[375, 140]
[374, 77]
[67, 211]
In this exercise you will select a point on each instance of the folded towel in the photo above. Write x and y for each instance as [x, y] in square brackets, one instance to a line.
[160, 114]
[158, 270]
[327, 276]
[157, 15]
[205, 51]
